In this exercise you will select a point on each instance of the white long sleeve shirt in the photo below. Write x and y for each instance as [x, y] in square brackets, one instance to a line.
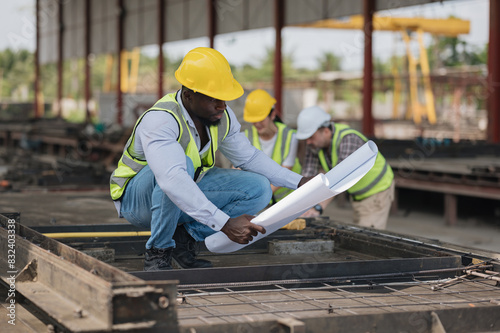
[156, 141]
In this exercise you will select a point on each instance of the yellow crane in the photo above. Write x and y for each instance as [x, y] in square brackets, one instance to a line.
[130, 70]
[451, 27]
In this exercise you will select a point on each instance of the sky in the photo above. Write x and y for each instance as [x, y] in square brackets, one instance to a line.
[305, 45]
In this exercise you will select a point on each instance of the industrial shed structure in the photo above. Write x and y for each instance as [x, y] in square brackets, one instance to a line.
[79, 28]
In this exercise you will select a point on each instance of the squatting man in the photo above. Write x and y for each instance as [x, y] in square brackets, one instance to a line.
[166, 179]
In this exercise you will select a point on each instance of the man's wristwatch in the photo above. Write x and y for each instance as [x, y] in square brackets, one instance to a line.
[319, 208]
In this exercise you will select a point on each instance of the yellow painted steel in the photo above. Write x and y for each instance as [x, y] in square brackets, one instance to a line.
[447, 27]
[60, 235]
[419, 109]
[129, 67]
[124, 71]
[424, 65]
[109, 73]
[130, 70]
[397, 91]
[412, 72]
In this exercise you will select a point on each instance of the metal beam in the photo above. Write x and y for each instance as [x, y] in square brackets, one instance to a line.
[80, 293]
[212, 23]
[494, 73]
[161, 40]
[120, 43]
[487, 192]
[311, 272]
[471, 319]
[368, 123]
[60, 78]
[37, 105]
[87, 60]
[279, 17]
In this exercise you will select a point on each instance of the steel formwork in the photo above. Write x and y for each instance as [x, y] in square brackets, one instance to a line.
[373, 281]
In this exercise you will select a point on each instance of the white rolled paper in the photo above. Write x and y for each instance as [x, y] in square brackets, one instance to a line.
[323, 186]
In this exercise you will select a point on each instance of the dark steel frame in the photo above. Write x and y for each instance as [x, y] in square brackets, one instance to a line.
[369, 7]
[75, 292]
[494, 73]
[414, 259]
[368, 122]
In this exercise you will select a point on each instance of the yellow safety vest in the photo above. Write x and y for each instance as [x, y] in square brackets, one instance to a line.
[378, 179]
[281, 150]
[129, 165]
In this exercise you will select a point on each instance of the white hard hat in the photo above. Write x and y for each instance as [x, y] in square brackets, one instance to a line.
[309, 120]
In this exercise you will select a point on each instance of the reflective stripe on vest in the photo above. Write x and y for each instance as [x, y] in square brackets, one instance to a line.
[281, 150]
[378, 179]
[129, 165]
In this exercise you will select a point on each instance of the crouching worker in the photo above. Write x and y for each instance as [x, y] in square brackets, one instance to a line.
[269, 134]
[166, 179]
[328, 144]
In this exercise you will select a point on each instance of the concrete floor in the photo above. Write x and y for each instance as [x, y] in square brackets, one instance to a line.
[95, 207]
[469, 231]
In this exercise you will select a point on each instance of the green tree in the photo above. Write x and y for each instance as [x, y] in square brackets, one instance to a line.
[329, 61]
[454, 51]
[265, 70]
[16, 70]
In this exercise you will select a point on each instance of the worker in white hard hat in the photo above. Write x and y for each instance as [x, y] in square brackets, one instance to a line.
[269, 134]
[327, 144]
[166, 179]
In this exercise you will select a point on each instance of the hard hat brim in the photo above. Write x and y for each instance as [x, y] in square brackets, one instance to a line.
[304, 136]
[253, 119]
[232, 94]
[236, 90]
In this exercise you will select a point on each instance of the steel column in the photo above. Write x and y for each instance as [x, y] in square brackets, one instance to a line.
[161, 40]
[212, 24]
[279, 10]
[60, 59]
[494, 73]
[368, 123]
[37, 106]
[119, 94]
[450, 209]
[87, 64]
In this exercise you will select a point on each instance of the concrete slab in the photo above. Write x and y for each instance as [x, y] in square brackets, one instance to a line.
[279, 248]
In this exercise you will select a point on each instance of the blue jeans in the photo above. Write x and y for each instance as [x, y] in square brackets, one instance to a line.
[235, 192]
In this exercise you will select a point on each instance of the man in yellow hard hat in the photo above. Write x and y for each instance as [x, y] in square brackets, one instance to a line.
[327, 144]
[166, 179]
[269, 134]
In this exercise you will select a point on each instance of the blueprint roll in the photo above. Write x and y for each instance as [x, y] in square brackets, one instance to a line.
[323, 186]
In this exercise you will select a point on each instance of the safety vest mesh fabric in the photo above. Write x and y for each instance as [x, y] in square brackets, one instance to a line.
[130, 165]
[378, 179]
[281, 150]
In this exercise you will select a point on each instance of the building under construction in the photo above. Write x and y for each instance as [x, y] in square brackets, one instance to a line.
[328, 276]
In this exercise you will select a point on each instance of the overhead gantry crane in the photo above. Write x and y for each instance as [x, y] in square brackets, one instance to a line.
[451, 27]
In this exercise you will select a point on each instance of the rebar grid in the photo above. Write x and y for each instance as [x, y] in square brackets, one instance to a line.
[229, 305]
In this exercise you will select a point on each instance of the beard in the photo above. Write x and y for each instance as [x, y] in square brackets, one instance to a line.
[208, 122]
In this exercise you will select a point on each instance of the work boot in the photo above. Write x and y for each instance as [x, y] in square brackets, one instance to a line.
[184, 253]
[158, 259]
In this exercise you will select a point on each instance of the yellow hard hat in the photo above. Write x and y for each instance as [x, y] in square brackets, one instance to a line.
[206, 71]
[258, 106]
